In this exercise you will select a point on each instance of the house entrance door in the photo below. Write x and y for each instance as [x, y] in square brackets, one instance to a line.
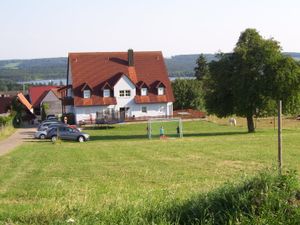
[123, 113]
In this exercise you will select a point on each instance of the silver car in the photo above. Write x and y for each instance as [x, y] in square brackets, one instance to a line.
[67, 133]
[40, 134]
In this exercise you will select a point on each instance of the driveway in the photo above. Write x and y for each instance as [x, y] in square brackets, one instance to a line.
[16, 139]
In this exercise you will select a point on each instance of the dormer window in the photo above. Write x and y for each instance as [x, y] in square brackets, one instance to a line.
[86, 93]
[160, 90]
[144, 91]
[106, 93]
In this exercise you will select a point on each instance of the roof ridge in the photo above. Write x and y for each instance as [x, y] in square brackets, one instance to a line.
[124, 52]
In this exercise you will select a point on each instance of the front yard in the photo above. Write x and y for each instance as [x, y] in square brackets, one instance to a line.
[120, 176]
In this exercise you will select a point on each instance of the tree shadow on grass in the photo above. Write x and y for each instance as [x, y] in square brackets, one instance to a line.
[117, 137]
[99, 128]
[209, 134]
[145, 137]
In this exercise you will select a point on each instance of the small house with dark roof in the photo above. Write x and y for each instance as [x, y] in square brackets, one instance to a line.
[135, 83]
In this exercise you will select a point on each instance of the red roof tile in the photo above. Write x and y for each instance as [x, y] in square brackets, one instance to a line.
[37, 93]
[97, 69]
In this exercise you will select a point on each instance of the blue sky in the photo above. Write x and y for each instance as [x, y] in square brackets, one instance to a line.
[52, 28]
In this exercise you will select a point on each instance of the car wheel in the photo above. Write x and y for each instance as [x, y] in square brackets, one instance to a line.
[53, 138]
[81, 139]
[42, 136]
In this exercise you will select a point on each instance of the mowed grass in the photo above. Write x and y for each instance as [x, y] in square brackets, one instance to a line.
[121, 177]
[6, 131]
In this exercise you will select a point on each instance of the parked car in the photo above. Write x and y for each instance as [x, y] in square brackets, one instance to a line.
[40, 134]
[67, 133]
[45, 125]
[51, 117]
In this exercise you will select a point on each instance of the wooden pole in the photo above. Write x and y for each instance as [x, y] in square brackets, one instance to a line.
[279, 137]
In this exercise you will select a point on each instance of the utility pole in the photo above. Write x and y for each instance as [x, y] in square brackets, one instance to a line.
[279, 137]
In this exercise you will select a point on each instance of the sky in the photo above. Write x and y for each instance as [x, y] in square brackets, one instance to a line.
[52, 28]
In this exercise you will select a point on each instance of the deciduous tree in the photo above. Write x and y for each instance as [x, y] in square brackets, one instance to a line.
[252, 79]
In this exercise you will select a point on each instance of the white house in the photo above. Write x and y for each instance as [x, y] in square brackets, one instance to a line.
[131, 84]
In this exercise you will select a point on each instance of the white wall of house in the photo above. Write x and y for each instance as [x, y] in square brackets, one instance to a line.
[157, 109]
[85, 113]
[55, 106]
[127, 101]
[88, 112]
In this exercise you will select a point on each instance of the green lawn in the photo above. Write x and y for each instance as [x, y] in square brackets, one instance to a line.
[6, 131]
[121, 177]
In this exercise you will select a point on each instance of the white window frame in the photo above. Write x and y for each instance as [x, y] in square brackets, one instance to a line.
[127, 93]
[144, 91]
[122, 93]
[160, 90]
[106, 93]
[144, 107]
[87, 93]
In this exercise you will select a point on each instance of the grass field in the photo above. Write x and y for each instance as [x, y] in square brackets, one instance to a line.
[121, 177]
[6, 131]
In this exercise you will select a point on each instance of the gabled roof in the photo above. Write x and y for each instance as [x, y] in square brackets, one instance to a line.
[86, 86]
[37, 93]
[141, 84]
[158, 83]
[100, 67]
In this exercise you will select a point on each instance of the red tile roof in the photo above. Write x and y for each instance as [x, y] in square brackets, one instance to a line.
[5, 104]
[102, 68]
[37, 93]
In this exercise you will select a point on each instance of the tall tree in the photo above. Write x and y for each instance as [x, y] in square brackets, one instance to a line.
[252, 79]
[202, 68]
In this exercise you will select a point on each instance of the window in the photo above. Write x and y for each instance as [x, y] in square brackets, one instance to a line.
[144, 91]
[161, 91]
[106, 93]
[86, 94]
[144, 109]
[127, 93]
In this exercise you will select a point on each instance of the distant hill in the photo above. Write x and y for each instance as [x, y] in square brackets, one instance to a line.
[56, 68]
[33, 69]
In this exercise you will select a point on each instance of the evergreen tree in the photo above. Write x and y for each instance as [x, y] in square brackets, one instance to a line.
[202, 68]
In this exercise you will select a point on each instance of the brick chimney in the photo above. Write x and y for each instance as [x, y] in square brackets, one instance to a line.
[130, 57]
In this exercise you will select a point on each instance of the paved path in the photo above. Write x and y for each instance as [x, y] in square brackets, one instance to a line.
[20, 136]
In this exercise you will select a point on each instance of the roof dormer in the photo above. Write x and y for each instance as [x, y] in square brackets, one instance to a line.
[106, 90]
[86, 91]
[161, 88]
[142, 88]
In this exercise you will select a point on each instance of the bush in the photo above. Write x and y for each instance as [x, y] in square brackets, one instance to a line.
[5, 120]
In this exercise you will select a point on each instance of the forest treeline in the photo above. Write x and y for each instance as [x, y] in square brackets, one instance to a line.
[12, 71]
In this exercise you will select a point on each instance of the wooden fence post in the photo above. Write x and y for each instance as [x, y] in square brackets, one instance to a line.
[279, 137]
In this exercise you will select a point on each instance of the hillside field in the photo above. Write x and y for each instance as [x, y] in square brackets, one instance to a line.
[121, 177]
